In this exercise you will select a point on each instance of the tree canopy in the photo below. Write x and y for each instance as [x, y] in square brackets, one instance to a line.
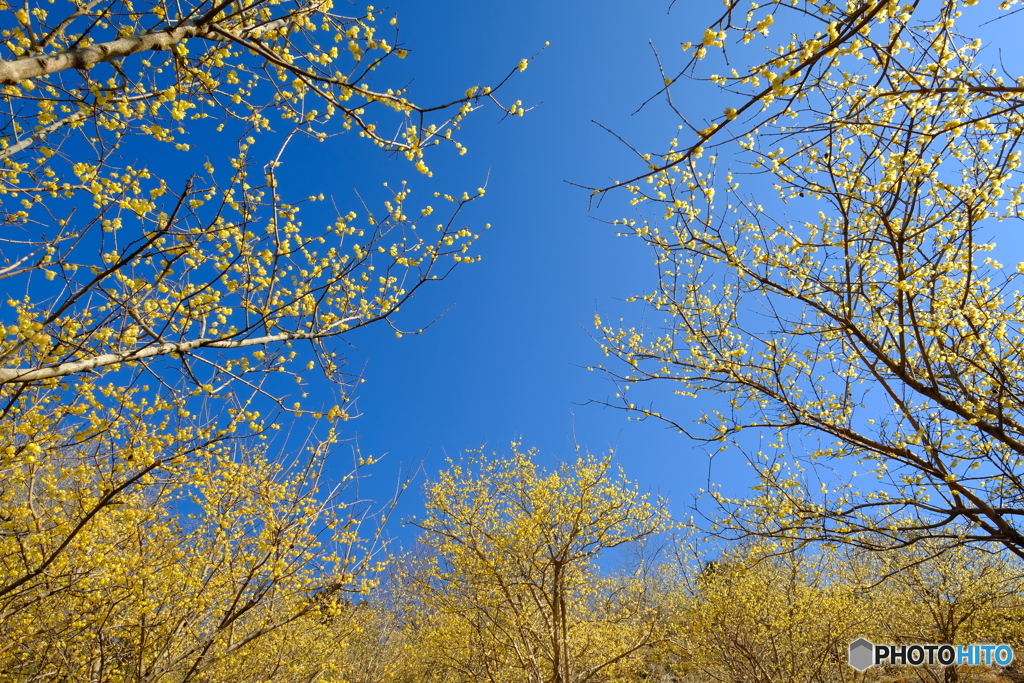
[829, 295]
[510, 587]
[827, 264]
[160, 286]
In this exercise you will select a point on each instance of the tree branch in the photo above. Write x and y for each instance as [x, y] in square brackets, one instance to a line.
[22, 375]
[17, 70]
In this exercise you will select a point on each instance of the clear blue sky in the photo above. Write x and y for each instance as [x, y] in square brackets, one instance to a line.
[506, 359]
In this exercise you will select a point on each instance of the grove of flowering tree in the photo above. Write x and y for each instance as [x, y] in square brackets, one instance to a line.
[159, 288]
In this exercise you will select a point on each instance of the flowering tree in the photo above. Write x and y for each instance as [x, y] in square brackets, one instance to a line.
[154, 306]
[839, 286]
[510, 588]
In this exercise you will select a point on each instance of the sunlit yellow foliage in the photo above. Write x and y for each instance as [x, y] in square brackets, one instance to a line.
[832, 272]
[509, 589]
[162, 293]
[943, 595]
[173, 581]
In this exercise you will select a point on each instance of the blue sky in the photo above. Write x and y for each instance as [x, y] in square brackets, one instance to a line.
[506, 360]
[506, 356]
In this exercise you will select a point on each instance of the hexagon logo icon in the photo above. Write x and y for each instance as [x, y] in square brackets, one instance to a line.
[862, 654]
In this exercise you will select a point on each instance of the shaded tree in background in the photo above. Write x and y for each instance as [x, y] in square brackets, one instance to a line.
[958, 595]
[768, 612]
[761, 615]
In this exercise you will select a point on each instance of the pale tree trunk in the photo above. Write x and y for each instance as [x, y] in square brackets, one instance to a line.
[84, 57]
